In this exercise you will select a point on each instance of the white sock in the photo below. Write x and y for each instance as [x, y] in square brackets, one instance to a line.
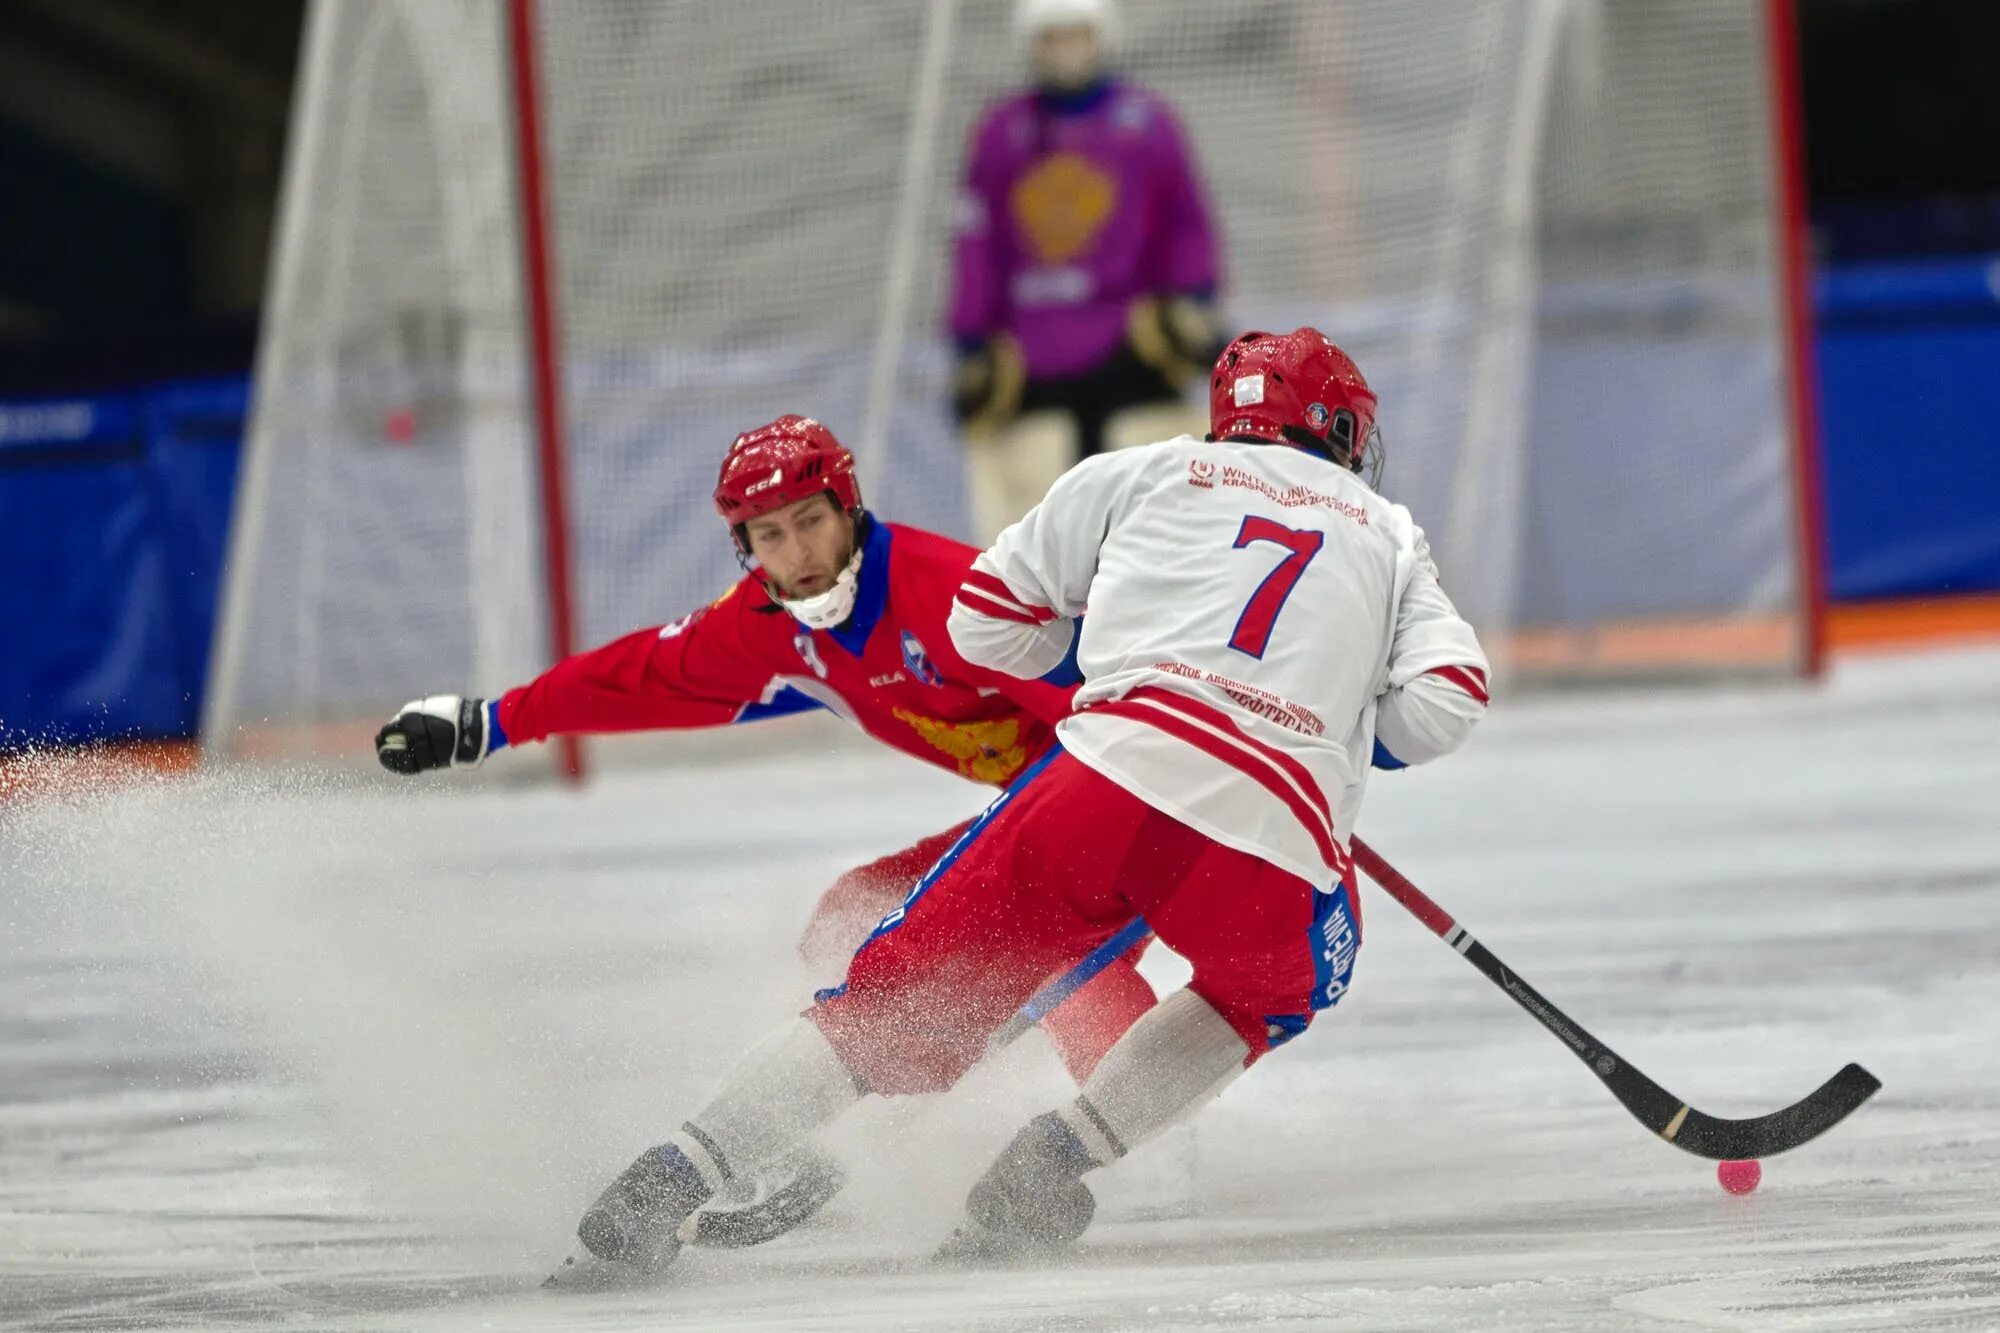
[788, 1086]
[1160, 1072]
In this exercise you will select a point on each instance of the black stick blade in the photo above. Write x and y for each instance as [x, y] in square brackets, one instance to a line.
[815, 1180]
[1767, 1135]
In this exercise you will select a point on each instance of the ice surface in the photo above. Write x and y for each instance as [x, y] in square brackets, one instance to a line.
[304, 1052]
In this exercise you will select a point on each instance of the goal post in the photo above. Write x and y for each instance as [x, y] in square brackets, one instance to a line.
[518, 307]
[538, 263]
[1785, 102]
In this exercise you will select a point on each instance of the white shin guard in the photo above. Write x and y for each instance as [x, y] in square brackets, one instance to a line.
[786, 1088]
[1161, 1071]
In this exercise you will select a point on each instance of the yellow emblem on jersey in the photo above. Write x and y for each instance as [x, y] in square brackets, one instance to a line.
[727, 593]
[988, 751]
[1062, 204]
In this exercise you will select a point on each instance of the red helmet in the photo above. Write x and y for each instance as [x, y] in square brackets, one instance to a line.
[790, 459]
[1293, 387]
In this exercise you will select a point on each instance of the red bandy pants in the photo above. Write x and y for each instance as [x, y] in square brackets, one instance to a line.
[1052, 869]
[1082, 1028]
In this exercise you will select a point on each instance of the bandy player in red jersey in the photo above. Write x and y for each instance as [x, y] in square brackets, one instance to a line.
[837, 610]
[1262, 626]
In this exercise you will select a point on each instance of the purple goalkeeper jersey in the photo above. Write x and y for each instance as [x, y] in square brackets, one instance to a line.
[1073, 208]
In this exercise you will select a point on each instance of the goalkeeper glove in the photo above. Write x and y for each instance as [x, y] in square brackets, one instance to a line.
[986, 386]
[1175, 335]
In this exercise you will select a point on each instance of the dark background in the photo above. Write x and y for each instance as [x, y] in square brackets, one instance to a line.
[140, 148]
[1902, 106]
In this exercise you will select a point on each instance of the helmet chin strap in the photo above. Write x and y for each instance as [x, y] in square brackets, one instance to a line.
[829, 609]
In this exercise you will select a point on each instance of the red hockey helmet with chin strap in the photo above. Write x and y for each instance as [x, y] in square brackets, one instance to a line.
[1295, 388]
[790, 459]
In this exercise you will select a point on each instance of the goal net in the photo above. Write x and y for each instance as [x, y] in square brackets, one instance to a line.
[1548, 230]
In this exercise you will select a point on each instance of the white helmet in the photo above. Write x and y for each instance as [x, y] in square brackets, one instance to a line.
[1032, 16]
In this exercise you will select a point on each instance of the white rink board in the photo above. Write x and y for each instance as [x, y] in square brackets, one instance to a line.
[311, 1053]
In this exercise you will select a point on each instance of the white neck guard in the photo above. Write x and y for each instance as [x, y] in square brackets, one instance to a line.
[827, 610]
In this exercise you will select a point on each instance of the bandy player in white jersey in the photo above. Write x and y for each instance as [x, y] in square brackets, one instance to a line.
[1261, 626]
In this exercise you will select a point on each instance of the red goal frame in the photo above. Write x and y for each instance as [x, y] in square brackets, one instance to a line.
[538, 264]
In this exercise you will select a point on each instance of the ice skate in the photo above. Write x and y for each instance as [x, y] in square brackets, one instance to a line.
[1030, 1205]
[630, 1232]
[582, 1271]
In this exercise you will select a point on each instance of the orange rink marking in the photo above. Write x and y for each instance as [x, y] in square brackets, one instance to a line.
[59, 772]
[1690, 647]
[1913, 622]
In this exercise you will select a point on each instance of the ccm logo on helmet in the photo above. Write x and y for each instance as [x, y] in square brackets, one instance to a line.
[777, 475]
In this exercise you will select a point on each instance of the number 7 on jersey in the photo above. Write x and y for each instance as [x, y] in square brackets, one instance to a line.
[1260, 613]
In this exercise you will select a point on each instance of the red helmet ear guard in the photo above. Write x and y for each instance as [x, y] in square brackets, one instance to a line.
[790, 459]
[1295, 388]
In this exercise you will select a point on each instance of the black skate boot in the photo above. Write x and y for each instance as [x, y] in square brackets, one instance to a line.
[630, 1231]
[1031, 1203]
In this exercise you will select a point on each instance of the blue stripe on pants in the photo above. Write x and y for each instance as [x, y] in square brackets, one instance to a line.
[945, 862]
[1334, 942]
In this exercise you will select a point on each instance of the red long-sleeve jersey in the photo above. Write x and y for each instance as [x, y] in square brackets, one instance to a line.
[891, 670]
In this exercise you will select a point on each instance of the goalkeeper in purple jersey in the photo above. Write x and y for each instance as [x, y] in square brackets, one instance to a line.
[1085, 268]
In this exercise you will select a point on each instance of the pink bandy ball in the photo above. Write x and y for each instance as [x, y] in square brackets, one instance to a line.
[1739, 1177]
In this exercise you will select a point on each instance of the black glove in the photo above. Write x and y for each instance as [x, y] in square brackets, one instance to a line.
[986, 385]
[433, 733]
[1175, 335]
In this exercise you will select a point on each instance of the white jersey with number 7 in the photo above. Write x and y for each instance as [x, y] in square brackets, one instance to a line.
[1261, 627]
